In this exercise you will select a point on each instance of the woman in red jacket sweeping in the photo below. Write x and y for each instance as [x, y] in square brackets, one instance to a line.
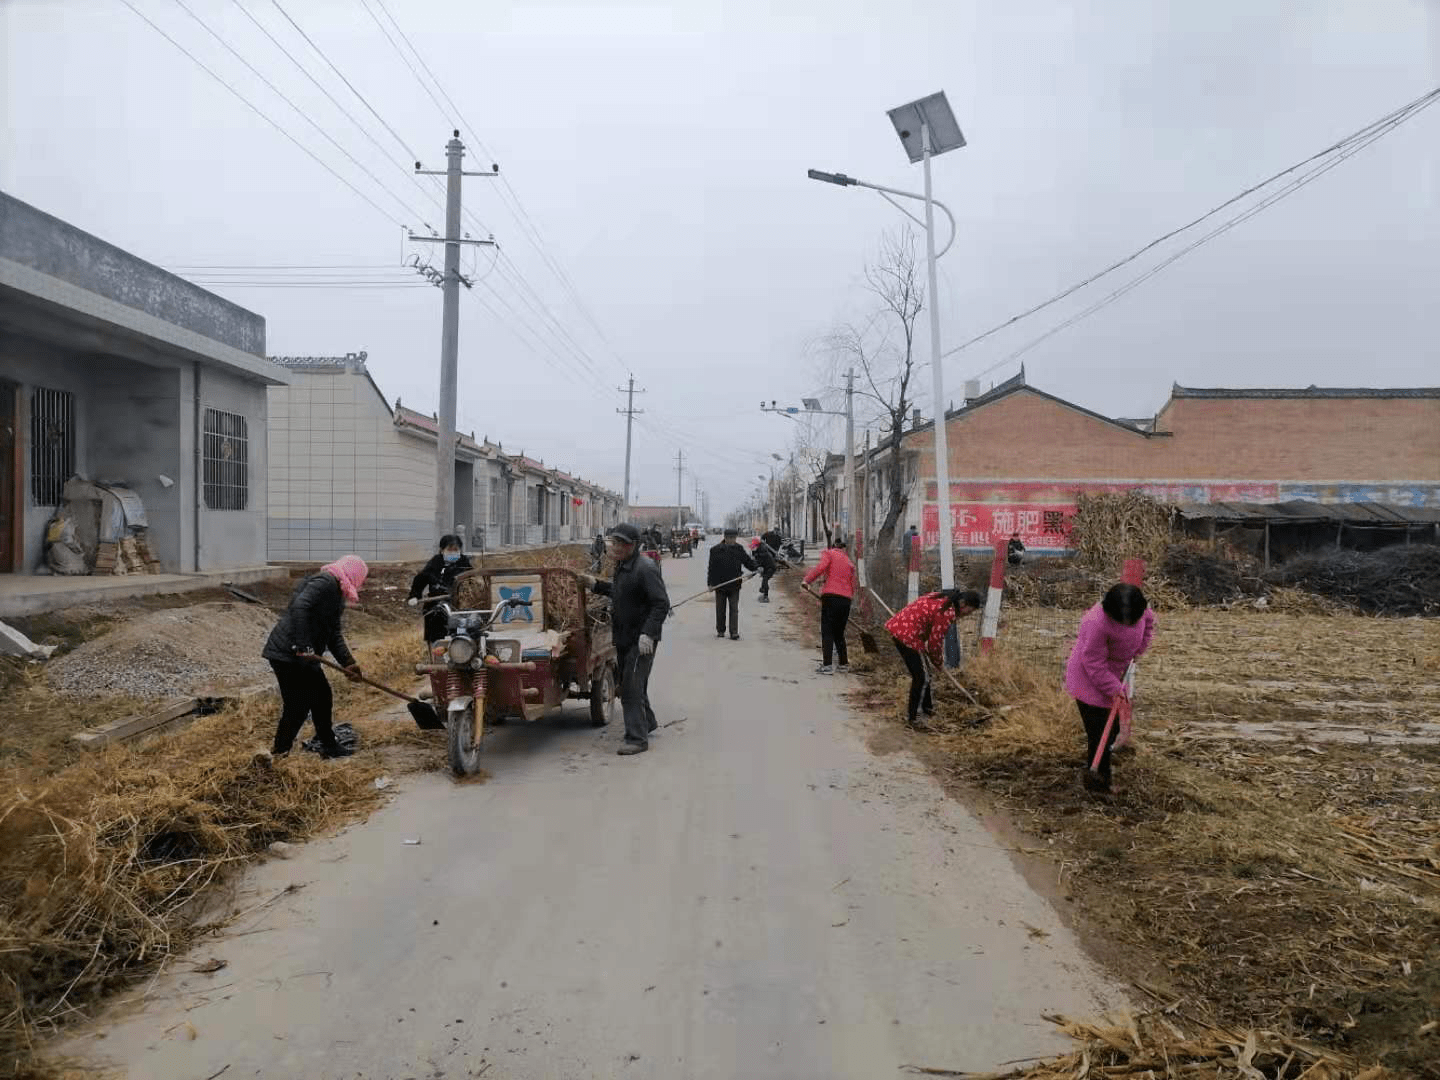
[919, 628]
[835, 597]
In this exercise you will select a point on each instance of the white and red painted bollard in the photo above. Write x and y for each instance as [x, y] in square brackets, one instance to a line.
[860, 575]
[912, 584]
[990, 621]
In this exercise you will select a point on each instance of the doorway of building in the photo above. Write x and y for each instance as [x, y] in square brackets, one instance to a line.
[11, 505]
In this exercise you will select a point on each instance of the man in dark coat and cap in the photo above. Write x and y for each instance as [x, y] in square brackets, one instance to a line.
[638, 607]
[728, 563]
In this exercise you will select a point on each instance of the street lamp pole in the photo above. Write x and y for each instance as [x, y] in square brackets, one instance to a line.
[926, 127]
[937, 371]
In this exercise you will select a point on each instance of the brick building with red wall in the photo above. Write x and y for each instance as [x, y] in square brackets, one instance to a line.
[1019, 456]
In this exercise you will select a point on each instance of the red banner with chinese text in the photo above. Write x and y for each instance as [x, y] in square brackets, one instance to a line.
[1042, 526]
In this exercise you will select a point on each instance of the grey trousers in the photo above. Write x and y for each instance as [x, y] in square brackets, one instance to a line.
[728, 597]
[635, 695]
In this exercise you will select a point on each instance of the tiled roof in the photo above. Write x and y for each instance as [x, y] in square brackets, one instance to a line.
[1309, 392]
[1299, 511]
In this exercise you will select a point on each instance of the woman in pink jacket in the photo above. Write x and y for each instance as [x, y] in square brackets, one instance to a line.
[835, 597]
[1112, 634]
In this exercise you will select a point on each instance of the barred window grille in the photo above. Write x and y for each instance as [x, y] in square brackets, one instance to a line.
[226, 461]
[52, 444]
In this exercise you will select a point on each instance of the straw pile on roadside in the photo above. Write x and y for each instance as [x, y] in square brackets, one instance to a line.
[105, 860]
[1112, 527]
[1164, 1044]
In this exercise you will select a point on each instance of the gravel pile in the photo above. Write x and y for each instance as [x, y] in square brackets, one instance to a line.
[172, 653]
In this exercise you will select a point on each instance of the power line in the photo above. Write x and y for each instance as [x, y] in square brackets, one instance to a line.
[429, 194]
[412, 155]
[1393, 119]
[298, 111]
[310, 284]
[516, 276]
[1270, 200]
[528, 228]
[545, 352]
[263, 115]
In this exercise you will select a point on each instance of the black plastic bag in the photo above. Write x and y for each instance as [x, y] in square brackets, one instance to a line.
[345, 735]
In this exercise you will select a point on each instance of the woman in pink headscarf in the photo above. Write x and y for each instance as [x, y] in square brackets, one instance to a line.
[309, 627]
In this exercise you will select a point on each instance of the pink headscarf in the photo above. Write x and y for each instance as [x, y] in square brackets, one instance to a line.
[351, 572]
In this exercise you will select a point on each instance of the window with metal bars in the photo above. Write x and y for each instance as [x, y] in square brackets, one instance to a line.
[226, 461]
[52, 444]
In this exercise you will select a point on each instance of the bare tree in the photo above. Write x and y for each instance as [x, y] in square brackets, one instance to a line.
[812, 459]
[882, 349]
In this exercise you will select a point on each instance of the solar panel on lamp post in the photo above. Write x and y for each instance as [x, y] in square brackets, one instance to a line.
[926, 127]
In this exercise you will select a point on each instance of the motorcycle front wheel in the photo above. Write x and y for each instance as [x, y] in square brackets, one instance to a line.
[463, 738]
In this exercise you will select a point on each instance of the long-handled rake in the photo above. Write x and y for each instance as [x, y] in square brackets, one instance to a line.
[928, 665]
[712, 588]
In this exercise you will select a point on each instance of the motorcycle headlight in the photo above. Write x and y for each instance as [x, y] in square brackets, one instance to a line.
[462, 650]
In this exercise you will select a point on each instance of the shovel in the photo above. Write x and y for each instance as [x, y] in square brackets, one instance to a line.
[1119, 710]
[867, 639]
[424, 714]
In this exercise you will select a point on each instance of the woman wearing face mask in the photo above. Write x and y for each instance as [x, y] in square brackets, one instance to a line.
[438, 577]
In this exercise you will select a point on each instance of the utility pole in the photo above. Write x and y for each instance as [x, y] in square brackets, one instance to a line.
[850, 456]
[679, 485]
[449, 329]
[629, 412]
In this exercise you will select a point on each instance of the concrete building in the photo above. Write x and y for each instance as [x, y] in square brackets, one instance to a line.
[117, 371]
[1019, 457]
[351, 472]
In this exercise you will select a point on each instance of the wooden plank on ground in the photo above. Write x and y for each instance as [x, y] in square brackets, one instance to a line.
[135, 725]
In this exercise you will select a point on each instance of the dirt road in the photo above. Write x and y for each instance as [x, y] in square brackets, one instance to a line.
[759, 896]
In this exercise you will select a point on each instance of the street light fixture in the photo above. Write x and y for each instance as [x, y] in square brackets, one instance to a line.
[926, 127]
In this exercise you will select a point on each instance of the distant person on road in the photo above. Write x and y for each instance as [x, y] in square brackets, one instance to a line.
[1015, 550]
[437, 577]
[836, 595]
[1112, 633]
[309, 627]
[919, 630]
[728, 563]
[765, 559]
[912, 537]
[638, 608]
[597, 553]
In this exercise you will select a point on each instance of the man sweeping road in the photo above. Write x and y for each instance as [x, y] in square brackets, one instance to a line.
[638, 607]
[728, 563]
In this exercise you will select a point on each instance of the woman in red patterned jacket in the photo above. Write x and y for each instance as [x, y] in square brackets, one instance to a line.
[920, 628]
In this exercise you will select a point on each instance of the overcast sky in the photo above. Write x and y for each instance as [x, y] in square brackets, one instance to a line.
[661, 150]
